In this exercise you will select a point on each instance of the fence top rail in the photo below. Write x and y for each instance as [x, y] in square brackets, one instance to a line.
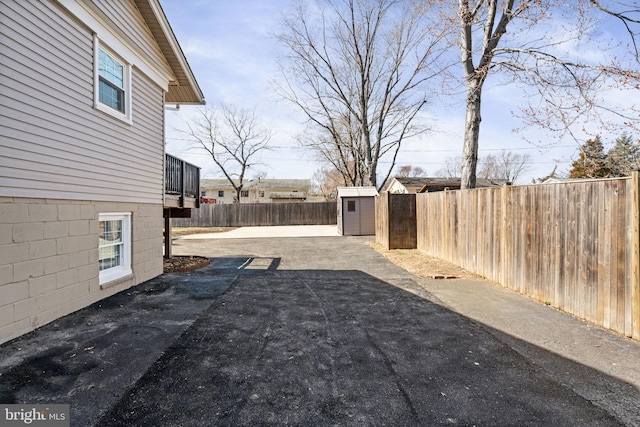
[576, 181]
[581, 180]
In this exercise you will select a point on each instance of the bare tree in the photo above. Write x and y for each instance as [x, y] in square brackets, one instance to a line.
[233, 137]
[325, 182]
[450, 169]
[540, 52]
[358, 70]
[408, 171]
[340, 152]
[553, 174]
[507, 165]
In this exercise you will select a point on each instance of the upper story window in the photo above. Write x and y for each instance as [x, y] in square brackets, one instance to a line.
[220, 193]
[111, 81]
[244, 193]
[112, 84]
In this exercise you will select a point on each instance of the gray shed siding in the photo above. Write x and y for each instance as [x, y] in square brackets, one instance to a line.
[53, 143]
[362, 220]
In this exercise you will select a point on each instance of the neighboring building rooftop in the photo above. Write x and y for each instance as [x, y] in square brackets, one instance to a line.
[261, 184]
[561, 180]
[425, 184]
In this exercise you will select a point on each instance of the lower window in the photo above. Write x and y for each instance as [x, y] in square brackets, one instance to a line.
[114, 257]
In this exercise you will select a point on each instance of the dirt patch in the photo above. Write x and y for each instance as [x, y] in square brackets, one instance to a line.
[185, 231]
[423, 265]
[181, 264]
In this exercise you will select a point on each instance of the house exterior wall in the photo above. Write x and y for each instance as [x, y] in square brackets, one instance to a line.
[53, 143]
[269, 191]
[127, 18]
[397, 188]
[49, 257]
[229, 196]
[63, 162]
[254, 196]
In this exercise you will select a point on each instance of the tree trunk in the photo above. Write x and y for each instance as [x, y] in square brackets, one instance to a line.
[370, 176]
[471, 134]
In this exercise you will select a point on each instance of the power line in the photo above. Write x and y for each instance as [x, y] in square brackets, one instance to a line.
[286, 147]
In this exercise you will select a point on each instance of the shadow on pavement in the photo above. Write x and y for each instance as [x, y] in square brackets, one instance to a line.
[242, 343]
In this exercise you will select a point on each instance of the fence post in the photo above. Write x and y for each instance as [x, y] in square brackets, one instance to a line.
[503, 237]
[635, 281]
[445, 224]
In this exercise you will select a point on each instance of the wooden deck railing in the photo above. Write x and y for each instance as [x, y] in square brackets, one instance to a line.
[183, 179]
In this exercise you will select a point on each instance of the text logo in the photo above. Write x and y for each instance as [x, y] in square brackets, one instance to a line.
[34, 415]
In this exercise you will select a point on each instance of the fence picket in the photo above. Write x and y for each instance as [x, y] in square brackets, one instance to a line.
[574, 245]
[260, 214]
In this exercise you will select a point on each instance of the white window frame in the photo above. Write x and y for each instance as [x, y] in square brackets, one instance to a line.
[124, 269]
[128, 107]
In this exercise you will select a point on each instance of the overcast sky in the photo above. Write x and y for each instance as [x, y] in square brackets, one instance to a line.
[232, 52]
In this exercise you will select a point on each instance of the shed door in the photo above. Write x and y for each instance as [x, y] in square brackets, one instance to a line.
[358, 216]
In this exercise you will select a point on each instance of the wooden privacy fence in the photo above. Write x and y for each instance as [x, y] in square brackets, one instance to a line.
[573, 245]
[257, 214]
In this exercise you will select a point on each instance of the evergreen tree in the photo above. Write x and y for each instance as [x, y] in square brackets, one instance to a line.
[624, 157]
[592, 162]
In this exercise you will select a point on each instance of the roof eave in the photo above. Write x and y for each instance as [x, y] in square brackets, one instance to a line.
[197, 97]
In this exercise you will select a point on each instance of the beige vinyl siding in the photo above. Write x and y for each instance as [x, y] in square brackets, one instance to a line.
[53, 143]
[126, 17]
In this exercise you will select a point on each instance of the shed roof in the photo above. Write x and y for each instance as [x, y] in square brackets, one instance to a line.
[357, 192]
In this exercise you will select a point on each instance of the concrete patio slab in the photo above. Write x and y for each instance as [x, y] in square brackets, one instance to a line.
[270, 231]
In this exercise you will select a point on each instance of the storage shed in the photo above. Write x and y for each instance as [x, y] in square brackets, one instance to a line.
[357, 211]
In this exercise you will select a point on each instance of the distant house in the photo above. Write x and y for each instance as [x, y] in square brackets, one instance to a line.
[405, 185]
[555, 180]
[256, 191]
[84, 177]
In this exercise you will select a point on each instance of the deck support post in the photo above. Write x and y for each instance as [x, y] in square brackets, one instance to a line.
[635, 256]
[167, 237]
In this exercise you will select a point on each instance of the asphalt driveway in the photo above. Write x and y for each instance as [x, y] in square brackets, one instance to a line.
[303, 331]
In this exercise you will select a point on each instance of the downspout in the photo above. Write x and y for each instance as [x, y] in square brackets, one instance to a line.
[164, 151]
[165, 213]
